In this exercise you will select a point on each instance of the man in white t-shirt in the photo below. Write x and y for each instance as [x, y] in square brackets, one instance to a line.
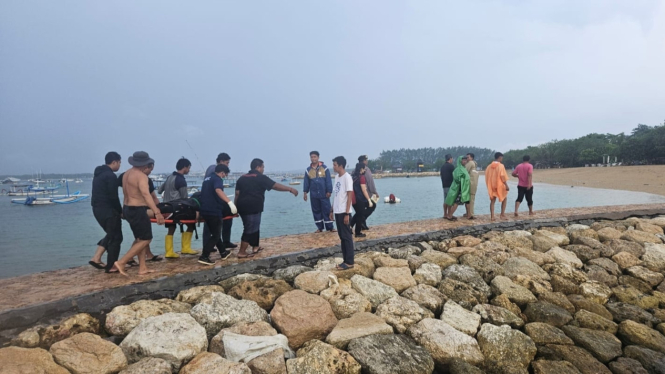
[342, 194]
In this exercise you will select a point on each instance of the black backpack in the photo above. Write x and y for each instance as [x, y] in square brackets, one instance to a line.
[181, 210]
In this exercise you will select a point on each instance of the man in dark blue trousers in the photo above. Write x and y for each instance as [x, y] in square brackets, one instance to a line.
[319, 185]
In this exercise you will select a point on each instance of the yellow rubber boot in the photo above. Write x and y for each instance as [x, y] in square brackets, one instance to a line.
[168, 245]
[187, 244]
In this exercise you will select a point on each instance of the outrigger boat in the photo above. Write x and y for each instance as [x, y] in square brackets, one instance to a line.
[29, 189]
[53, 199]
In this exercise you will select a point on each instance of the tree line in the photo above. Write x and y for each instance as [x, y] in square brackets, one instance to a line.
[432, 158]
[644, 145]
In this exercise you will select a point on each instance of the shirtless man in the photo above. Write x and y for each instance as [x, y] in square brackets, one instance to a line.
[137, 201]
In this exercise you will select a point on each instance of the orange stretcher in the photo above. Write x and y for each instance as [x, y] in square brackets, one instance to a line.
[189, 221]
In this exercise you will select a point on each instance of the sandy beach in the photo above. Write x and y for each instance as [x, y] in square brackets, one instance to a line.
[650, 178]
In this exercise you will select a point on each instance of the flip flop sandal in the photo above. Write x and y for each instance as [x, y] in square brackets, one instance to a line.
[132, 263]
[247, 255]
[260, 249]
[155, 259]
[333, 230]
[97, 265]
[318, 231]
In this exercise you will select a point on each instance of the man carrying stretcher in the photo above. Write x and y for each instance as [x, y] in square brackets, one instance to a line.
[137, 201]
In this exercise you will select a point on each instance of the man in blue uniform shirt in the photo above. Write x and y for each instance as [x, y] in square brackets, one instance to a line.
[319, 185]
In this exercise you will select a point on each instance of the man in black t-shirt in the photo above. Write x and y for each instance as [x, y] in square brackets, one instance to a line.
[446, 180]
[249, 198]
[107, 211]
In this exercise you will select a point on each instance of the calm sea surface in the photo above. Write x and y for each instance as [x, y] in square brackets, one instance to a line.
[40, 238]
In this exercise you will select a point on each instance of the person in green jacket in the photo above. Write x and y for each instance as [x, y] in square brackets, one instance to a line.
[459, 192]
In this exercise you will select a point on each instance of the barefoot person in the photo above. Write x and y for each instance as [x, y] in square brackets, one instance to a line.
[343, 195]
[524, 173]
[471, 167]
[174, 188]
[107, 211]
[214, 203]
[497, 184]
[137, 201]
[318, 184]
[459, 189]
[250, 196]
[446, 173]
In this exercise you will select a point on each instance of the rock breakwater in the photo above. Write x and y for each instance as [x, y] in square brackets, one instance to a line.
[570, 299]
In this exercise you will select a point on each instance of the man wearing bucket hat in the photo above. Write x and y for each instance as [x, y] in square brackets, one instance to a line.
[137, 201]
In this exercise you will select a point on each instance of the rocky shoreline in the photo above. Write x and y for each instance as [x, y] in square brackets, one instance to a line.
[551, 299]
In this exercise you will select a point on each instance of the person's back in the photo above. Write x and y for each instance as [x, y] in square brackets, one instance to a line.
[447, 174]
[175, 187]
[130, 187]
[105, 189]
[523, 171]
[211, 203]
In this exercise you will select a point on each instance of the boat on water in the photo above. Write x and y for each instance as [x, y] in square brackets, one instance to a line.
[32, 199]
[30, 189]
[294, 183]
[10, 180]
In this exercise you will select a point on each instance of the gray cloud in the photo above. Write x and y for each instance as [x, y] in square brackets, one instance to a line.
[277, 79]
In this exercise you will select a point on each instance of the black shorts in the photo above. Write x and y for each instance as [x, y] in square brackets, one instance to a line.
[523, 192]
[138, 219]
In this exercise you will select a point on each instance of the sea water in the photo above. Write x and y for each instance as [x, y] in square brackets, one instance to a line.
[41, 238]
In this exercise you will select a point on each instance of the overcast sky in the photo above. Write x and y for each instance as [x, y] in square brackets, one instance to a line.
[276, 79]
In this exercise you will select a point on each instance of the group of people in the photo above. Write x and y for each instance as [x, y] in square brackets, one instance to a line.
[216, 209]
[460, 183]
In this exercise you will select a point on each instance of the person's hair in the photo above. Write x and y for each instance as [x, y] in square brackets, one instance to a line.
[222, 168]
[340, 160]
[182, 163]
[448, 157]
[472, 155]
[362, 158]
[223, 157]
[526, 158]
[112, 156]
[255, 163]
[359, 167]
[314, 153]
[497, 155]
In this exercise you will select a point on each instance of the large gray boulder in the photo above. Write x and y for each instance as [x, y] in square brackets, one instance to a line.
[428, 273]
[460, 318]
[289, 274]
[174, 337]
[148, 365]
[124, 318]
[220, 310]
[515, 293]
[502, 344]
[547, 313]
[374, 291]
[195, 294]
[445, 343]
[468, 275]
[638, 334]
[317, 357]
[358, 326]
[401, 313]
[515, 266]
[427, 297]
[88, 353]
[380, 354]
[603, 345]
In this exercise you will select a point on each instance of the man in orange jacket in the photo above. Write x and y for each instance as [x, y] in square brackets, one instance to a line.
[497, 184]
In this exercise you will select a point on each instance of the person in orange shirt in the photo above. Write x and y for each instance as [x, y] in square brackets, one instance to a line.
[497, 184]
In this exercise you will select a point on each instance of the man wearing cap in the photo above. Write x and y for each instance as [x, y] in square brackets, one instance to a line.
[137, 201]
[371, 189]
[318, 184]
